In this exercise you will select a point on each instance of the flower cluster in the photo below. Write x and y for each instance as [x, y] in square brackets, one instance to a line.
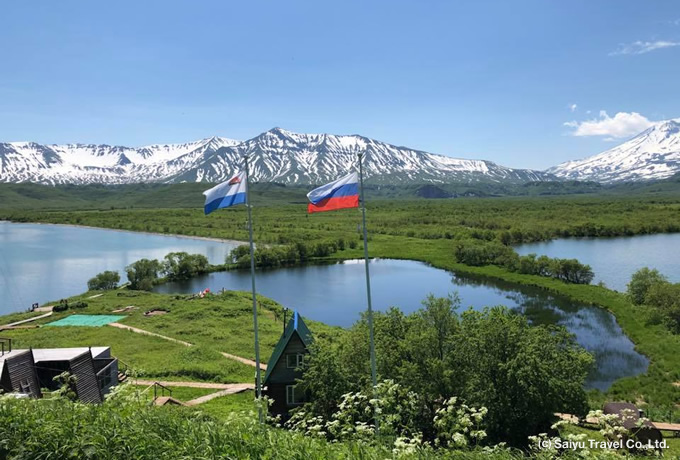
[458, 425]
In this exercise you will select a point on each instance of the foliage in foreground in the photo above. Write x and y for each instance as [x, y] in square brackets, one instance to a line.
[126, 427]
[492, 359]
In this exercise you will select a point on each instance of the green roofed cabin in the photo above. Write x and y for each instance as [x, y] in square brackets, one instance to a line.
[283, 367]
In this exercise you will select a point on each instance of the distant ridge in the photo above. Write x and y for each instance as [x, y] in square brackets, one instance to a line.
[277, 155]
[286, 157]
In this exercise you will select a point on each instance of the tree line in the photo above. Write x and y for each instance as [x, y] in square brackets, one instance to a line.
[287, 254]
[479, 253]
[145, 273]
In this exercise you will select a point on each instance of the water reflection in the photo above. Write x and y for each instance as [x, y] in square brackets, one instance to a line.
[335, 294]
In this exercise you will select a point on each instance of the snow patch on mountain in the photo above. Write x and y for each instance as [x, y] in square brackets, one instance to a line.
[651, 155]
[277, 155]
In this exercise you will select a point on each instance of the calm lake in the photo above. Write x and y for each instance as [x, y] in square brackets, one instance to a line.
[614, 260]
[336, 294]
[42, 263]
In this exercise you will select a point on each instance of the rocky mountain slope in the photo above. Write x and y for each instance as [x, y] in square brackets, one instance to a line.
[651, 155]
[276, 156]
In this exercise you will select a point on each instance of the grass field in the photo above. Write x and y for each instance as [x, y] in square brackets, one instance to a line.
[419, 230]
[427, 231]
[214, 324]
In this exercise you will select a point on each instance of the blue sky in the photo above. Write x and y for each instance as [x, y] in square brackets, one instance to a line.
[496, 80]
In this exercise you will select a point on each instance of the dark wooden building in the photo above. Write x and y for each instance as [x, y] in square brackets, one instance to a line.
[283, 367]
[27, 371]
[18, 374]
[94, 368]
[630, 415]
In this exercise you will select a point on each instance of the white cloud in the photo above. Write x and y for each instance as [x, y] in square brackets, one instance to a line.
[573, 107]
[640, 47]
[623, 124]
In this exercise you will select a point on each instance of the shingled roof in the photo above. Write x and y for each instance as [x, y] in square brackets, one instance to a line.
[295, 326]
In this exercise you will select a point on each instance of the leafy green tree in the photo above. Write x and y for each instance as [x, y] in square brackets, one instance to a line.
[495, 359]
[641, 281]
[183, 266]
[521, 373]
[143, 274]
[237, 253]
[325, 380]
[104, 281]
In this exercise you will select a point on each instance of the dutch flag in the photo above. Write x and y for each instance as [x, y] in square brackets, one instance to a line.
[229, 193]
[340, 194]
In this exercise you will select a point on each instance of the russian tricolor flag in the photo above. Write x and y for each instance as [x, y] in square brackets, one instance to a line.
[229, 193]
[340, 194]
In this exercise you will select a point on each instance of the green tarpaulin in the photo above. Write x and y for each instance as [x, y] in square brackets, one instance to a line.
[86, 320]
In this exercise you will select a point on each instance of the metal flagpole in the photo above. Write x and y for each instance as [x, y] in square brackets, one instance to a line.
[258, 384]
[368, 286]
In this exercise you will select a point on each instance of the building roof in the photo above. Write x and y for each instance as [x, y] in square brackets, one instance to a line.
[9, 354]
[65, 354]
[295, 326]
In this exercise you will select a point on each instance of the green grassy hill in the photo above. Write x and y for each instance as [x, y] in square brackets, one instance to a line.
[214, 324]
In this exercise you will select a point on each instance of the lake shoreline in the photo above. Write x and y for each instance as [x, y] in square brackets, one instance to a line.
[91, 227]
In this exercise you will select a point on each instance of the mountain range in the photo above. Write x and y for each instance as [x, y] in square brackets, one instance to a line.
[286, 157]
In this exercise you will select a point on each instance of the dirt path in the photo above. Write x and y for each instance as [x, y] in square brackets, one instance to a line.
[249, 362]
[213, 386]
[246, 361]
[238, 388]
[23, 321]
[142, 331]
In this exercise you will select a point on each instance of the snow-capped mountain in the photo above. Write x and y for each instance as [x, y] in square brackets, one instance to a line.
[275, 156]
[86, 163]
[652, 154]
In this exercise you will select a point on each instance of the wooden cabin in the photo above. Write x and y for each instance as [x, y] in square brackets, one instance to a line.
[18, 374]
[630, 415]
[25, 372]
[96, 371]
[283, 368]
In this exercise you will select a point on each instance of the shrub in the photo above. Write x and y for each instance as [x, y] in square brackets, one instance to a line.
[641, 281]
[665, 297]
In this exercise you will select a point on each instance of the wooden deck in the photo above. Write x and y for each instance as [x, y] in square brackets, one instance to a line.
[663, 426]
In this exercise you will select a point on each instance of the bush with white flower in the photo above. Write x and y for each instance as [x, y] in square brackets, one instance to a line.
[459, 425]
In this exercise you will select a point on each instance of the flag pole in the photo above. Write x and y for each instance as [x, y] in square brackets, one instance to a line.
[368, 287]
[258, 385]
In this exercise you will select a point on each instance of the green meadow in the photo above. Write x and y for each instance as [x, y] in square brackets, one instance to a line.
[404, 228]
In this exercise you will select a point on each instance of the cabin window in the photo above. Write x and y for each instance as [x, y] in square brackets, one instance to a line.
[294, 397]
[294, 360]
